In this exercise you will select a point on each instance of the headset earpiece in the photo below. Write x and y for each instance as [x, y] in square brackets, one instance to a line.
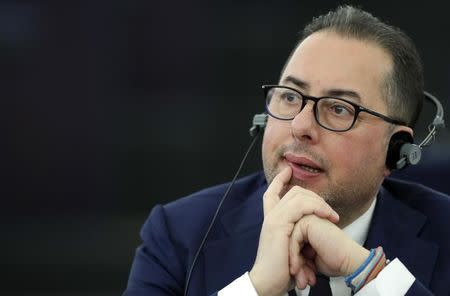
[259, 123]
[402, 151]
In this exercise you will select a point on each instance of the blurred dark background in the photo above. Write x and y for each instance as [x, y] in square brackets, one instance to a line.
[109, 107]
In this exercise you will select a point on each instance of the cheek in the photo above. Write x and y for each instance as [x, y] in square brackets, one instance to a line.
[359, 152]
[275, 134]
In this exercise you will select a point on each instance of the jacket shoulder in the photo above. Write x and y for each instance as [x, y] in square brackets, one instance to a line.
[435, 205]
[209, 198]
[188, 218]
[416, 194]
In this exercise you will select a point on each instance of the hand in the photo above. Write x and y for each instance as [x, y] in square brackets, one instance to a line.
[270, 273]
[320, 245]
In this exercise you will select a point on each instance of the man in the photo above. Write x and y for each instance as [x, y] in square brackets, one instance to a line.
[323, 207]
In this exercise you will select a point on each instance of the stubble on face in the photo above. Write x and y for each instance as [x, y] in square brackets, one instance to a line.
[349, 198]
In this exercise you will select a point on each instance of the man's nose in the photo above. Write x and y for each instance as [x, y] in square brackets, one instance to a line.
[304, 125]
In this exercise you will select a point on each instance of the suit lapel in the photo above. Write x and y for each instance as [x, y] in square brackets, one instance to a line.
[396, 227]
[228, 258]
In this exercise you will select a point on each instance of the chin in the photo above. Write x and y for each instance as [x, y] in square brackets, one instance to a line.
[315, 186]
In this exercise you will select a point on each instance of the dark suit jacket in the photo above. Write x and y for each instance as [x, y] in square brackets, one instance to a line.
[410, 221]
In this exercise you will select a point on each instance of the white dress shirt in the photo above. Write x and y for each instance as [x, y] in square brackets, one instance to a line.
[394, 279]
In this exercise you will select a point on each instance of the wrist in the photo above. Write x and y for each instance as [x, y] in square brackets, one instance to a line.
[257, 284]
[263, 286]
[357, 259]
[368, 270]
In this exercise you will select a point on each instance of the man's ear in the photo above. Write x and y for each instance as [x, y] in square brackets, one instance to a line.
[399, 136]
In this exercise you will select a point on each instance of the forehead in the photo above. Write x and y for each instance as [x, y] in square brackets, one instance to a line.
[327, 61]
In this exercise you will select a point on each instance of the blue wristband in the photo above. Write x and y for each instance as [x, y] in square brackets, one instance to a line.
[359, 278]
[350, 277]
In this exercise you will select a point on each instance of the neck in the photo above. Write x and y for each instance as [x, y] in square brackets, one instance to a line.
[348, 219]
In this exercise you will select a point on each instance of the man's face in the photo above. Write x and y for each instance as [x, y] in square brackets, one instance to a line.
[347, 167]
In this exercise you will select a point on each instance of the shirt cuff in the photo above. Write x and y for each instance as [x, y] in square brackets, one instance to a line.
[240, 286]
[394, 279]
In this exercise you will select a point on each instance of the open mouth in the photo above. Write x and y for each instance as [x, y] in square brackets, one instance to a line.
[303, 167]
[308, 168]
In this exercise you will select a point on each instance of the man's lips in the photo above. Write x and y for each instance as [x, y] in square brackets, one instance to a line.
[302, 161]
[303, 168]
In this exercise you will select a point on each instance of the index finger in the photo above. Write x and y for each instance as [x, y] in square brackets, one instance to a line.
[272, 194]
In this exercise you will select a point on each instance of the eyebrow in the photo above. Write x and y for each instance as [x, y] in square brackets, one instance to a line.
[334, 92]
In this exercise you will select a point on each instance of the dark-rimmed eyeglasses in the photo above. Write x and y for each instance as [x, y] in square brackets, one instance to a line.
[334, 114]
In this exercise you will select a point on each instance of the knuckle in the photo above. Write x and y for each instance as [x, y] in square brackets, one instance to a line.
[297, 189]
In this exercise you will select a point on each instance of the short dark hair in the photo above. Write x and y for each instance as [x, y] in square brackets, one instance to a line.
[403, 87]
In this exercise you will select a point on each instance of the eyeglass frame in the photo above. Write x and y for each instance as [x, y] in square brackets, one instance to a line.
[358, 108]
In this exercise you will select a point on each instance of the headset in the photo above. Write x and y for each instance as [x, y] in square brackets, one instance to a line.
[401, 152]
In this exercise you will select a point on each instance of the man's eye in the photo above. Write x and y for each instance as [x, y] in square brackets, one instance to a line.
[290, 97]
[341, 110]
